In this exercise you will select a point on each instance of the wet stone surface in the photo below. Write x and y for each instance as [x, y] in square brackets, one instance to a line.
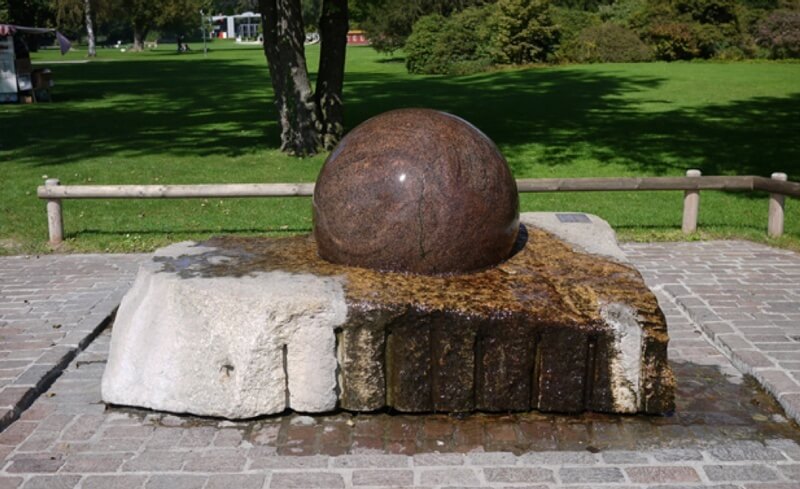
[530, 333]
[711, 411]
[416, 190]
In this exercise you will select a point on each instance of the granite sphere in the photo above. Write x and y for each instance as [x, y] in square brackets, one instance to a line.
[416, 190]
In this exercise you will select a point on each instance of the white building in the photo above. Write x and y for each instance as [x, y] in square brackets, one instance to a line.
[238, 26]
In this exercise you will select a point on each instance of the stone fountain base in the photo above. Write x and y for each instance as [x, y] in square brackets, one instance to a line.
[242, 327]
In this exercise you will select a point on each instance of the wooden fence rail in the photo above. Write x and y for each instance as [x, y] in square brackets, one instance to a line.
[778, 186]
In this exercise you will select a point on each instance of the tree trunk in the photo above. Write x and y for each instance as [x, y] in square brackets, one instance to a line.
[87, 7]
[333, 27]
[284, 35]
[139, 34]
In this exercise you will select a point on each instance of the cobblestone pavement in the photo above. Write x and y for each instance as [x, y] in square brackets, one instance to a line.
[726, 431]
[50, 307]
[744, 297]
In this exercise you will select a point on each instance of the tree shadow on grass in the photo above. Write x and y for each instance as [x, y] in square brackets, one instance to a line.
[176, 107]
[572, 114]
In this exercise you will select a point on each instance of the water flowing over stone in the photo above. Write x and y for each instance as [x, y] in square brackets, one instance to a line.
[239, 327]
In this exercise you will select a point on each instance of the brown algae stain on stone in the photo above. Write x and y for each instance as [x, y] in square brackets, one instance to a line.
[527, 333]
[546, 280]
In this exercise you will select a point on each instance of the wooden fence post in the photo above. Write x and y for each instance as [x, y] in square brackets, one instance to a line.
[55, 223]
[776, 203]
[691, 206]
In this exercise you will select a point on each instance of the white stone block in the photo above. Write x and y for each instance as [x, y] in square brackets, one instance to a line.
[222, 346]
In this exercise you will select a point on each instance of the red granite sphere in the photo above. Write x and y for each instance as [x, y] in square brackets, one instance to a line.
[416, 190]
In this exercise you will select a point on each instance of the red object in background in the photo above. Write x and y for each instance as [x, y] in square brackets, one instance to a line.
[357, 38]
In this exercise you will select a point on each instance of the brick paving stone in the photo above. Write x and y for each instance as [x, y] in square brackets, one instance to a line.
[277, 462]
[623, 457]
[747, 450]
[155, 461]
[766, 289]
[35, 463]
[228, 438]
[571, 475]
[114, 482]
[790, 448]
[772, 485]
[216, 461]
[362, 461]
[791, 472]
[518, 474]
[428, 459]
[726, 432]
[306, 480]
[52, 482]
[492, 458]
[558, 458]
[676, 454]
[448, 476]
[664, 474]
[10, 482]
[383, 478]
[83, 463]
[237, 481]
[172, 481]
[47, 299]
[740, 473]
[697, 486]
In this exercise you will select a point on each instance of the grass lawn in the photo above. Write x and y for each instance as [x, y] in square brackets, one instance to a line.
[158, 118]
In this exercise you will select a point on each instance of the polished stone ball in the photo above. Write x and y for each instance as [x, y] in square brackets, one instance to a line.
[416, 190]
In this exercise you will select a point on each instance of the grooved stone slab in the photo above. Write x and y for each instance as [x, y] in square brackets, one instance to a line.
[239, 327]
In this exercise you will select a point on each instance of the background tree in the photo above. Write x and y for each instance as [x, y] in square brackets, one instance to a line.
[311, 12]
[309, 120]
[72, 16]
[229, 7]
[33, 13]
[780, 33]
[143, 16]
[87, 13]
[523, 31]
[389, 22]
[181, 16]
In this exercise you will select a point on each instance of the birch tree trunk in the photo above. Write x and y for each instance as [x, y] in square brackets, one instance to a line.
[87, 10]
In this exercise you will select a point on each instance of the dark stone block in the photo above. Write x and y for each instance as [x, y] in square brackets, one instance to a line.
[408, 364]
[505, 355]
[562, 369]
[535, 332]
[362, 348]
[453, 357]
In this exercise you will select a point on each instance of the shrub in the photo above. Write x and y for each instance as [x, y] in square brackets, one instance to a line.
[523, 31]
[421, 45]
[455, 45]
[708, 11]
[607, 43]
[780, 33]
[684, 40]
[571, 22]
[623, 12]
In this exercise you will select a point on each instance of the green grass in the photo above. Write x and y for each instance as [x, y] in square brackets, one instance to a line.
[158, 117]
